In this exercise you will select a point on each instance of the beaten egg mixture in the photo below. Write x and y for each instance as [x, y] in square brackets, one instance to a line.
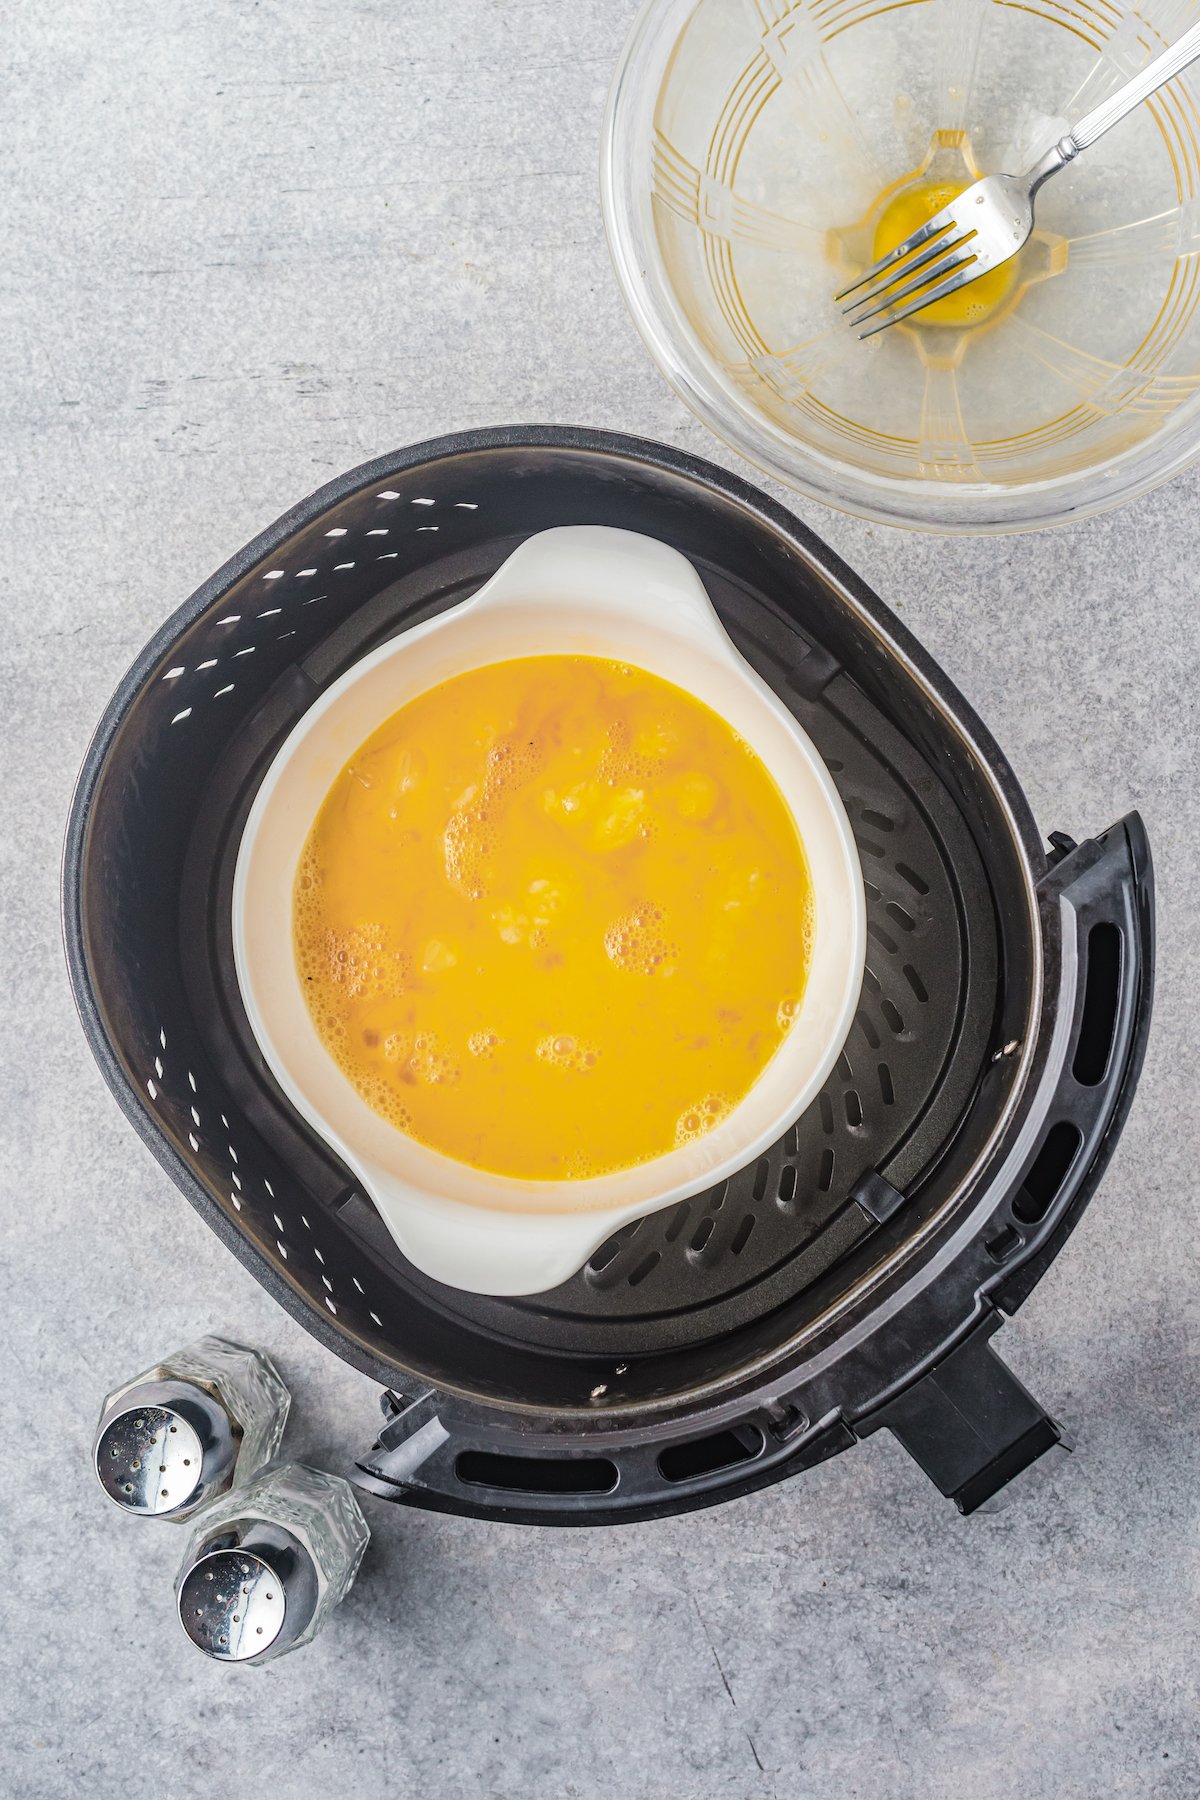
[553, 918]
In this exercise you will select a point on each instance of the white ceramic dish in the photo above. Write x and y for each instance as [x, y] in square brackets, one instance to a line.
[576, 590]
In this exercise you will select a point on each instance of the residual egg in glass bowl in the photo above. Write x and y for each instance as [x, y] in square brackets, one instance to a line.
[756, 155]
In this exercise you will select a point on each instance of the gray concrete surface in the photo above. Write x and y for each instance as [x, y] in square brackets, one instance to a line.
[245, 246]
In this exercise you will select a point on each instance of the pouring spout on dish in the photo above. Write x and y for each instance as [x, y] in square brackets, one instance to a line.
[485, 1250]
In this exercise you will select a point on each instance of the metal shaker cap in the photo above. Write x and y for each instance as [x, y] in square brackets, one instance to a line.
[251, 1590]
[150, 1459]
[169, 1446]
[233, 1605]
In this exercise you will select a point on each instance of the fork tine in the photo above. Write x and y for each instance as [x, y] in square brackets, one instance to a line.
[932, 228]
[888, 297]
[949, 286]
[877, 291]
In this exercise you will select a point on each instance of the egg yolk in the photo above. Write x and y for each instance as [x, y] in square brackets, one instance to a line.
[906, 212]
[553, 918]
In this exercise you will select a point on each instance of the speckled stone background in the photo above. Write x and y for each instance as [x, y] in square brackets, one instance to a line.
[243, 246]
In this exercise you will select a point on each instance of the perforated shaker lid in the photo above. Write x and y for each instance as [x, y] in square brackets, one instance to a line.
[251, 1590]
[233, 1604]
[150, 1459]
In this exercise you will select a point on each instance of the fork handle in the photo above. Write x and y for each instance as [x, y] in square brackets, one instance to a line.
[1156, 74]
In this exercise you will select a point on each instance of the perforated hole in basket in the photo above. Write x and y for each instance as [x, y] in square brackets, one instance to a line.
[261, 1205]
[216, 650]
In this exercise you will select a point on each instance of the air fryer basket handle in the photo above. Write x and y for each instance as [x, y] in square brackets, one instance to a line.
[1104, 891]
[969, 1423]
[966, 1419]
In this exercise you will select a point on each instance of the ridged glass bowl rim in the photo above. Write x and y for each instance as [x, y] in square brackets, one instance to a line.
[950, 508]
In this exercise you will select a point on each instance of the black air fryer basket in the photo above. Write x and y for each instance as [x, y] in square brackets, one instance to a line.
[852, 1277]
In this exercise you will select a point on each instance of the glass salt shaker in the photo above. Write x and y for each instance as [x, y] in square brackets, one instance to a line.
[266, 1564]
[203, 1420]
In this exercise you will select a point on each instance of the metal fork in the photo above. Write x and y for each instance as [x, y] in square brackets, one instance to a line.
[989, 221]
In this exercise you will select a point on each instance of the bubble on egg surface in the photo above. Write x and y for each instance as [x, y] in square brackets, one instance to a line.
[622, 762]
[430, 1064]
[562, 1050]
[467, 841]
[807, 931]
[698, 1120]
[362, 961]
[469, 837]
[308, 923]
[310, 877]
[510, 763]
[381, 1096]
[578, 1165]
[638, 941]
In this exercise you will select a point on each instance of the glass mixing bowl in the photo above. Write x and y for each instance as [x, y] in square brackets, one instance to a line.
[754, 149]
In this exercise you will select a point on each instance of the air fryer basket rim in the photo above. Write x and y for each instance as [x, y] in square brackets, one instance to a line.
[898, 640]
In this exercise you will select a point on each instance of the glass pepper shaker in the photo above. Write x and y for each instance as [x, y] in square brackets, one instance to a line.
[201, 1421]
[266, 1564]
